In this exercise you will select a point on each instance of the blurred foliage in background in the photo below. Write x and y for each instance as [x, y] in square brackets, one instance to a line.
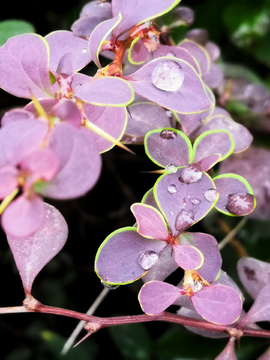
[241, 28]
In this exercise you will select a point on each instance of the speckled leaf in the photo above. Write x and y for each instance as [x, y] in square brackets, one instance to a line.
[156, 296]
[125, 256]
[235, 195]
[168, 146]
[32, 253]
[254, 274]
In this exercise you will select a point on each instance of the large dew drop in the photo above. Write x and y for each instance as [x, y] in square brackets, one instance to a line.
[240, 204]
[148, 259]
[184, 220]
[191, 174]
[168, 75]
[211, 195]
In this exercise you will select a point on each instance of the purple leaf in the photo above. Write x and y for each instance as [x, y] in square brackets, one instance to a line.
[32, 253]
[110, 119]
[235, 195]
[228, 353]
[209, 161]
[171, 83]
[15, 115]
[187, 203]
[67, 111]
[254, 165]
[8, 180]
[240, 134]
[254, 274]
[99, 92]
[139, 12]
[213, 142]
[188, 257]
[156, 296]
[208, 246]
[137, 53]
[150, 222]
[62, 42]
[23, 216]
[199, 53]
[24, 70]
[174, 51]
[99, 35]
[79, 163]
[164, 267]
[125, 256]
[168, 146]
[219, 304]
[260, 310]
[144, 117]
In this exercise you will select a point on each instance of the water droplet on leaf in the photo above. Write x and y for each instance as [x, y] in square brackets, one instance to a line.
[109, 286]
[148, 259]
[168, 134]
[171, 169]
[191, 174]
[240, 204]
[184, 220]
[195, 201]
[210, 195]
[168, 75]
[172, 189]
[84, 50]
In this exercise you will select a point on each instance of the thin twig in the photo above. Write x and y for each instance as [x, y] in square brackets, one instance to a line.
[232, 233]
[80, 326]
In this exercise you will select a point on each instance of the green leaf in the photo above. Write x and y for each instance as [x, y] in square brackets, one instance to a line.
[133, 341]
[9, 28]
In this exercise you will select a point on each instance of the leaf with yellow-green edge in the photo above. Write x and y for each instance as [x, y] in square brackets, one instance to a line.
[138, 12]
[137, 52]
[236, 196]
[99, 35]
[213, 142]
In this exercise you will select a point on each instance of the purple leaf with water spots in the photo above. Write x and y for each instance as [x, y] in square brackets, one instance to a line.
[168, 146]
[183, 204]
[156, 296]
[235, 195]
[228, 353]
[213, 142]
[32, 253]
[208, 246]
[150, 222]
[260, 310]
[139, 12]
[125, 256]
[171, 83]
[99, 35]
[106, 91]
[188, 257]
[219, 304]
[254, 165]
[110, 119]
[254, 274]
[62, 42]
[24, 68]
